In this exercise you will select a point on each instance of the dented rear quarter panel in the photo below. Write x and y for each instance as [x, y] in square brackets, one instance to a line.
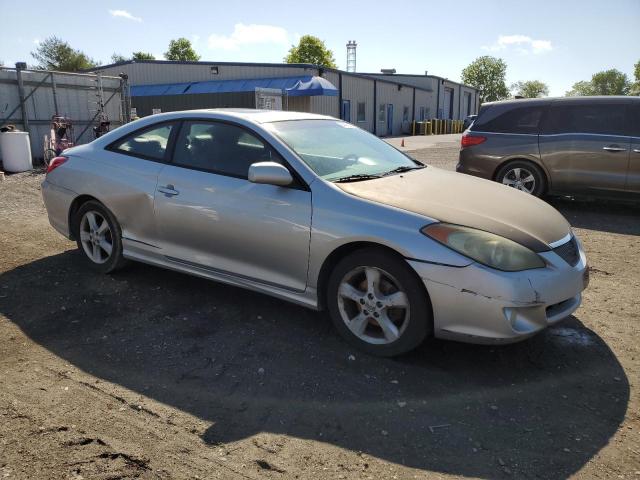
[124, 184]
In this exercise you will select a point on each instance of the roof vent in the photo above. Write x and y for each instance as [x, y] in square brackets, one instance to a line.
[388, 71]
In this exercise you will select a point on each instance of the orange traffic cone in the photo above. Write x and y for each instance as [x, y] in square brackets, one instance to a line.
[402, 143]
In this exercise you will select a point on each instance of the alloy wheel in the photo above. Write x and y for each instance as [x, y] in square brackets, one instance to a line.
[520, 179]
[373, 305]
[96, 237]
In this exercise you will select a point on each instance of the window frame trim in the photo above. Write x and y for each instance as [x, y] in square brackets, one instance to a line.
[298, 182]
[111, 147]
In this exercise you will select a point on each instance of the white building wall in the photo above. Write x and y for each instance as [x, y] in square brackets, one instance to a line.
[360, 90]
[167, 72]
[389, 93]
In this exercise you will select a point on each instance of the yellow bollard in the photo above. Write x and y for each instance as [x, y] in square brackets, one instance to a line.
[413, 128]
[427, 130]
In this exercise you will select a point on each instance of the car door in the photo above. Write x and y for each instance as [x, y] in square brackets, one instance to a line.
[210, 216]
[633, 177]
[585, 146]
[128, 178]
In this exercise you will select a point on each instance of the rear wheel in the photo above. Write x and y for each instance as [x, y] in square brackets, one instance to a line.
[378, 304]
[99, 237]
[524, 176]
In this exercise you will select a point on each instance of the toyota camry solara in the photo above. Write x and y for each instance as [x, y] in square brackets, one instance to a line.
[313, 210]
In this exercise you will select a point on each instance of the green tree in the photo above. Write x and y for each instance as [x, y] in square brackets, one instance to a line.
[531, 89]
[56, 54]
[117, 58]
[580, 89]
[607, 82]
[181, 49]
[487, 74]
[610, 82]
[311, 50]
[142, 56]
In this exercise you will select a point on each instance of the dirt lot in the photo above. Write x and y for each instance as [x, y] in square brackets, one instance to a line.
[154, 374]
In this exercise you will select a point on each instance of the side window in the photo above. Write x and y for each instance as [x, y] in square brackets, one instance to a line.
[220, 148]
[151, 143]
[602, 118]
[516, 120]
[405, 114]
[382, 112]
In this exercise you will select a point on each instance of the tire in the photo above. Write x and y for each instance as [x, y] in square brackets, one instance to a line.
[99, 244]
[516, 172]
[352, 309]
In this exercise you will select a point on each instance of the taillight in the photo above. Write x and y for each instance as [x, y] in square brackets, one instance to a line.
[469, 140]
[55, 163]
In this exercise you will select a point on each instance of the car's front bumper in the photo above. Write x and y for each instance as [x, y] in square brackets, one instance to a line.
[478, 304]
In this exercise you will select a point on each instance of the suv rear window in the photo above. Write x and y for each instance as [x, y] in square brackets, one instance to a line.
[601, 118]
[516, 120]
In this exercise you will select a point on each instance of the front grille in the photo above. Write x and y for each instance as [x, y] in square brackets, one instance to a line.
[569, 252]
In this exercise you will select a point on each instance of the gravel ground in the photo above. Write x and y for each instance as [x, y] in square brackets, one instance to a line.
[153, 374]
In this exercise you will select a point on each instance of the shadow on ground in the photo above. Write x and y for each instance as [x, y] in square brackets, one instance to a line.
[249, 363]
[600, 214]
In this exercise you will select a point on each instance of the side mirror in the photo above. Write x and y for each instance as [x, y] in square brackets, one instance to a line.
[271, 173]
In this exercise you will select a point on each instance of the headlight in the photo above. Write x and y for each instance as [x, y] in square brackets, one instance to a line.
[484, 247]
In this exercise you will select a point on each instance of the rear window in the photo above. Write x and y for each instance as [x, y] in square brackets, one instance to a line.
[601, 118]
[516, 120]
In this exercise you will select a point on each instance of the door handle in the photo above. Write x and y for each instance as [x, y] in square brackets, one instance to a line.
[637, 150]
[168, 190]
[614, 148]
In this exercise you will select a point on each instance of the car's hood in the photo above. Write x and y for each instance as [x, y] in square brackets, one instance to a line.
[464, 200]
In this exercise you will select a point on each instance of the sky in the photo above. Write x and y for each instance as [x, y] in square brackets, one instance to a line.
[558, 42]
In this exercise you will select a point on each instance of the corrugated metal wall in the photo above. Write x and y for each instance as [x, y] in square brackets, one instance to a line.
[172, 103]
[155, 73]
[76, 98]
[359, 90]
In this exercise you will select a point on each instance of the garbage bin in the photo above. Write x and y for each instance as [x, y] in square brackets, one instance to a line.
[16, 151]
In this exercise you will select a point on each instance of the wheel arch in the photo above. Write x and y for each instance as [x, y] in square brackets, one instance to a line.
[524, 158]
[73, 209]
[343, 251]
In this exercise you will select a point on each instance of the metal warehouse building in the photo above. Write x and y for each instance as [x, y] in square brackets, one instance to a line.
[384, 104]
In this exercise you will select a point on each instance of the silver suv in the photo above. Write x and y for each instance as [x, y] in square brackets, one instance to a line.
[575, 145]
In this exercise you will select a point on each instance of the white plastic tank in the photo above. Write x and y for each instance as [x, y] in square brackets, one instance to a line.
[16, 151]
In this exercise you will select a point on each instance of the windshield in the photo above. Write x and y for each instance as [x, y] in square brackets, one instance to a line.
[339, 151]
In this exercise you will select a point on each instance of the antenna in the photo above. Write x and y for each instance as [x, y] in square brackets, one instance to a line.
[351, 55]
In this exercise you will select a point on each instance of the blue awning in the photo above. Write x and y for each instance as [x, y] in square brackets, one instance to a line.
[313, 86]
[292, 86]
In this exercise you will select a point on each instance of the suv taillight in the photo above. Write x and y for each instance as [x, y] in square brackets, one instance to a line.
[469, 140]
[55, 163]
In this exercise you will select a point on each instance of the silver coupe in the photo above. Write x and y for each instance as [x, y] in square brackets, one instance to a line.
[316, 211]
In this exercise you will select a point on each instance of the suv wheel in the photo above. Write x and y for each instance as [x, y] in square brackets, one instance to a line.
[524, 176]
[378, 304]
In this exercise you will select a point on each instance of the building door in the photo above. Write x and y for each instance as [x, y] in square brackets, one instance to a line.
[389, 119]
[346, 110]
[448, 103]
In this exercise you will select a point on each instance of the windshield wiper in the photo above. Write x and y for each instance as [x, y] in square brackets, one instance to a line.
[402, 169]
[356, 177]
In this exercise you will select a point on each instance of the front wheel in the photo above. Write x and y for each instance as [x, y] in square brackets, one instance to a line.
[378, 303]
[99, 237]
[524, 176]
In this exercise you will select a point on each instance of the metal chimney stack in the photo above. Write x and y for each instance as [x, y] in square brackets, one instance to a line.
[351, 55]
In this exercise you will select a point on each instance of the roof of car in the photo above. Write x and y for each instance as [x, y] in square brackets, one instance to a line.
[253, 115]
[578, 99]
